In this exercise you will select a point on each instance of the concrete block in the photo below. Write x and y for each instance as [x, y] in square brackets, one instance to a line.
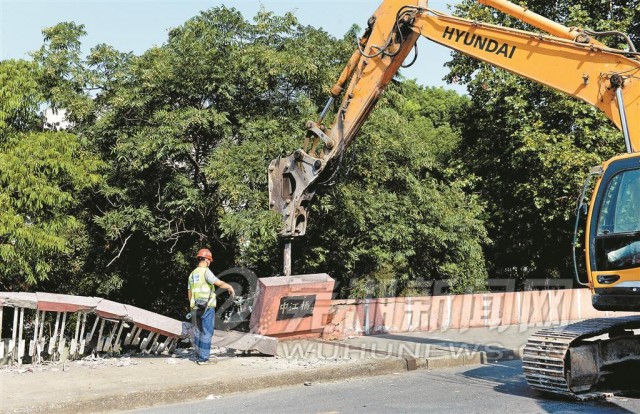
[412, 364]
[289, 305]
[445, 362]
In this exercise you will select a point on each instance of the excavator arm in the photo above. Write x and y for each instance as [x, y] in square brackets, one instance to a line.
[569, 60]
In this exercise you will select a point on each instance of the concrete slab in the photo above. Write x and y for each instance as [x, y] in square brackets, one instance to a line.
[111, 310]
[242, 341]
[151, 321]
[19, 299]
[54, 302]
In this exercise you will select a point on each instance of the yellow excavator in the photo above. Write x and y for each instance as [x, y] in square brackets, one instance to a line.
[584, 359]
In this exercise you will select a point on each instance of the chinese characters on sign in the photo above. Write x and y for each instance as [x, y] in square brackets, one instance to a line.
[296, 307]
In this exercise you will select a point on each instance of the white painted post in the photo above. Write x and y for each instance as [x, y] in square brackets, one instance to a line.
[366, 316]
[147, 340]
[93, 329]
[163, 345]
[116, 346]
[14, 333]
[99, 345]
[136, 339]
[32, 346]
[82, 338]
[74, 342]
[486, 309]
[154, 345]
[109, 339]
[129, 338]
[54, 338]
[63, 340]
[40, 343]
[152, 339]
[20, 340]
[409, 313]
[173, 344]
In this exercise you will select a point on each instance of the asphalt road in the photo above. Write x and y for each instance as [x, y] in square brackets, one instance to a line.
[491, 389]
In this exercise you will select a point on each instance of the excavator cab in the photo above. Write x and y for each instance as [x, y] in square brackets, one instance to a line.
[613, 248]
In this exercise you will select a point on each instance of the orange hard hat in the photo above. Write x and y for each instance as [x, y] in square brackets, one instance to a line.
[206, 254]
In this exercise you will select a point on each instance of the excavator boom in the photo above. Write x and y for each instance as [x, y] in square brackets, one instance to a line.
[574, 64]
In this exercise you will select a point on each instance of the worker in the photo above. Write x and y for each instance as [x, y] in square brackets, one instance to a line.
[202, 301]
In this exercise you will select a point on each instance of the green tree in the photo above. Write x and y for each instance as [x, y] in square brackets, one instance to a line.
[63, 78]
[43, 175]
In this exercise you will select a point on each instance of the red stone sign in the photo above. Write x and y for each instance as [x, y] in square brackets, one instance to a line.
[292, 306]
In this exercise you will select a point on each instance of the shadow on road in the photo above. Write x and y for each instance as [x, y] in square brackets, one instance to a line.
[510, 380]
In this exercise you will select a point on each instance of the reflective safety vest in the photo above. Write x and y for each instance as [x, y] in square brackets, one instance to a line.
[200, 288]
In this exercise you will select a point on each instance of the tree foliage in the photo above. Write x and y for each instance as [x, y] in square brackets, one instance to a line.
[43, 175]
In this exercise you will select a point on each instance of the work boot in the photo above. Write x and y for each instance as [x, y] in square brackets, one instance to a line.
[208, 362]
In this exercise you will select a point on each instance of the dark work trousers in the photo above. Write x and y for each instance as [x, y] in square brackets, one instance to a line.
[203, 331]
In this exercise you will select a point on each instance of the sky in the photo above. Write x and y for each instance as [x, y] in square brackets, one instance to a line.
[137, 25]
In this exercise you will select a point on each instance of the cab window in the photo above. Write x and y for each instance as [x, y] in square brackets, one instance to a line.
[618, 233]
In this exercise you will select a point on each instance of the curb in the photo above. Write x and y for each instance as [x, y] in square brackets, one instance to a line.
[200, 390]
[475, 358]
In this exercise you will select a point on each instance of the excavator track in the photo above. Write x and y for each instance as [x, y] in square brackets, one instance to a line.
[547, 357]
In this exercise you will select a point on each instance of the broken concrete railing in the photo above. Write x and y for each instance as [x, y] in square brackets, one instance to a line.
[55, 326]
[65, 326]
